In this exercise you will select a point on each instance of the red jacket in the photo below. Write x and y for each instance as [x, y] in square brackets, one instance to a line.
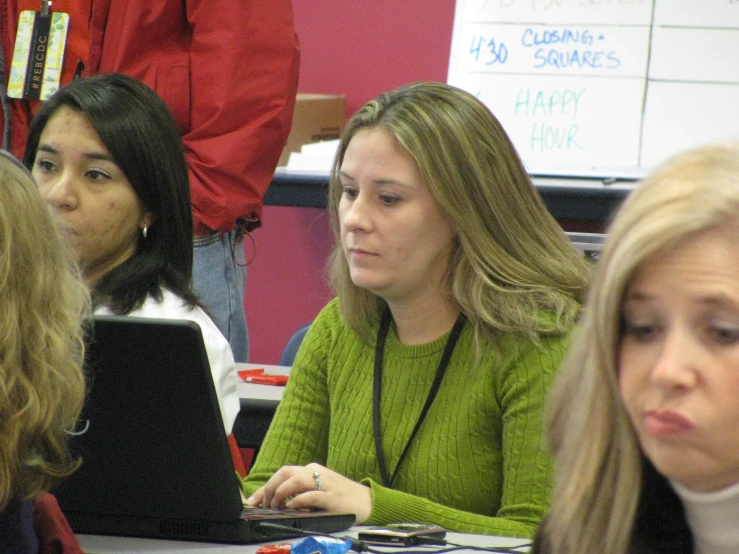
[55, 536]
[227, 69]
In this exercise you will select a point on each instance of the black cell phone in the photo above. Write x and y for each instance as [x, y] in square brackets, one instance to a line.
[403, 534]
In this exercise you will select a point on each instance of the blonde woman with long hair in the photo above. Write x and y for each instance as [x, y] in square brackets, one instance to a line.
[645, 413]
[418, 393]
[42, 385]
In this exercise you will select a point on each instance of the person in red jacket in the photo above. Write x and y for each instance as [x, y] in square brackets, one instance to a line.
[228, 71]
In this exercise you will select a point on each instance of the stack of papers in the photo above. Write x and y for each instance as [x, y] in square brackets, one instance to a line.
[314, 157]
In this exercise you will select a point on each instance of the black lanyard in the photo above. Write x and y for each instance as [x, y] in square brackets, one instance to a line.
[377, 391]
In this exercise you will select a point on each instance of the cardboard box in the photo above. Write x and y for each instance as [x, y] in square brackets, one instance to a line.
[317, 117]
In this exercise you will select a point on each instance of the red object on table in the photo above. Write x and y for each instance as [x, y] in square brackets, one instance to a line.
[259, 377]
[275, 549]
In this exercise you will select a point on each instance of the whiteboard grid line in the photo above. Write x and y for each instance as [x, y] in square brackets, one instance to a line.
[643, 113]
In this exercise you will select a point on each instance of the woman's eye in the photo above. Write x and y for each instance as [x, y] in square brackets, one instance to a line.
[44, 165]
[349, 192]
[725, 335]
[639, 331]
[97, 175]
[389, 200]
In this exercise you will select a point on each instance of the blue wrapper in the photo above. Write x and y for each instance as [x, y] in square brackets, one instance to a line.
[322, 545]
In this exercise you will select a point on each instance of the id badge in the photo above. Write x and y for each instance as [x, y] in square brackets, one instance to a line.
[36, 69]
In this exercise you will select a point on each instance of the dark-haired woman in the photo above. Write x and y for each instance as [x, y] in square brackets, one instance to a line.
[109, 161]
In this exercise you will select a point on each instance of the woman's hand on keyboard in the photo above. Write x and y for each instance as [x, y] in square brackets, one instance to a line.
[314, 486]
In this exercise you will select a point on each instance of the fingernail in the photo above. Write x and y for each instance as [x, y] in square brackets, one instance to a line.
[289, 503]
[250, 500]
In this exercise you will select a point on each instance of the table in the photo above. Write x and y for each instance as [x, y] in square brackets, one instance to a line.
[258, 405]
[249, 392]
[99, 544]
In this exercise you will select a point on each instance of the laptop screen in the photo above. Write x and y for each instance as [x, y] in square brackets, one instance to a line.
[154, 444]
[155, 458]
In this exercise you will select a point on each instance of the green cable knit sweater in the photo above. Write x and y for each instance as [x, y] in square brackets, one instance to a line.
[478, 463]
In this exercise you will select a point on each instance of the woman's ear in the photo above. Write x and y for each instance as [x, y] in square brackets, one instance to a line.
[147, 220]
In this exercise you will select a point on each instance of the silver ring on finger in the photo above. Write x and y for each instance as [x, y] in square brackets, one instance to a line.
[317, 477]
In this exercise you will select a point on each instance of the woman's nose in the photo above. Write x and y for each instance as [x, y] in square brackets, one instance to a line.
[676, 364]
[357, 215]
[60, 193]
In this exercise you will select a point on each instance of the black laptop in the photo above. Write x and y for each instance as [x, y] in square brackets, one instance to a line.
[156, 461]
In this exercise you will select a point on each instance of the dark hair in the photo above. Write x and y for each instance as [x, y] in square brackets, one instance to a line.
[660, 524]
[142, 137]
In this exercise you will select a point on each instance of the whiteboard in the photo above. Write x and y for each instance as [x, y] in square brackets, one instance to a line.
[601, 88]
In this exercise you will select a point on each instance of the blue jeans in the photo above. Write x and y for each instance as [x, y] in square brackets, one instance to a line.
[219, 279]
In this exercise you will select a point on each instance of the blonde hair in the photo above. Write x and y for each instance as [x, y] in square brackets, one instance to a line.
[43, 301]
[601, 472]
[511, 260]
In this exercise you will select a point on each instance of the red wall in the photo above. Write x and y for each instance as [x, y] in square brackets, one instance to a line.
[285, 285]
[359, 48]
[364, 47]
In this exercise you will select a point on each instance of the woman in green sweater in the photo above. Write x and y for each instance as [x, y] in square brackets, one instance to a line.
[419, 392]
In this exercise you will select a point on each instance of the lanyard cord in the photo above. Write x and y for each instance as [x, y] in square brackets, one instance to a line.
[451, 342]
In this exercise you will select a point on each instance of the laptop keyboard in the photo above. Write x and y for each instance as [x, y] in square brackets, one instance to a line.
[258, 512]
